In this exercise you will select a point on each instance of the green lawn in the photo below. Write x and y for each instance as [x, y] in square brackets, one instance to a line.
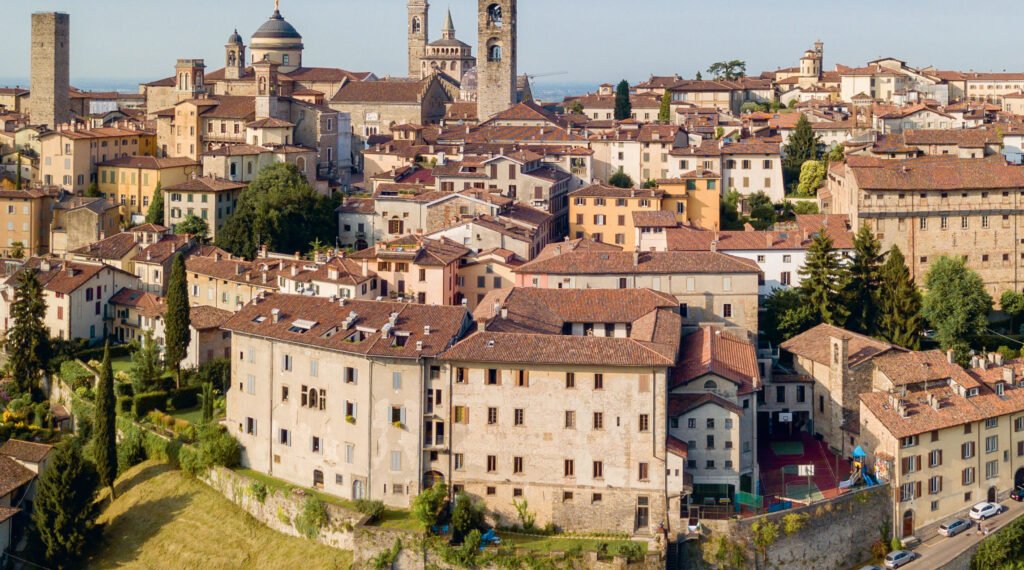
[164, 519]
[124, 364]
[399, 519]
[191, 415]
[559, 543]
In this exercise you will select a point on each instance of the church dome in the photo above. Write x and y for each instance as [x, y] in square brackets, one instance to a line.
[234, 38]
[277, 28]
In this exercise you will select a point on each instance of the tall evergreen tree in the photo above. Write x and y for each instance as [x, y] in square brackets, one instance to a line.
[146, 367]
[862, 292]
[623, 106]
[104, 448]
[803, 145]
[64, 513]
[177, 319]
[207, 402]
[956, 304]
[28, 342]
[155, 213]
[698, 77]
[665, 112]
[823, 280]
[899, 301]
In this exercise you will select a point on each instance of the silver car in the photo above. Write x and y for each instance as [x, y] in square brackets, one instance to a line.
[898, 558]
[955, 527]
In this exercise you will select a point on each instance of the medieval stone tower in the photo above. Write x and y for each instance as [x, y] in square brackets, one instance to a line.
[49, 102]
[419, 12]
[496, 57]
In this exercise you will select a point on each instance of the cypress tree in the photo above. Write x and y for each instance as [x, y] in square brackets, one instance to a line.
[28, 341]
[862, 299]
[899, 302]
[155, 213]
[207, 397]
[176, 319]
[665, 112]
[65, 511]
[823, 280]
[105, 436]
[803, 145]
[623, 106]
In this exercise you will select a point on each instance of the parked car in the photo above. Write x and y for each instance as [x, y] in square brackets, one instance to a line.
[1018, 493]
[898, 558]
[982, 511]
[955, 527]
[871, 567]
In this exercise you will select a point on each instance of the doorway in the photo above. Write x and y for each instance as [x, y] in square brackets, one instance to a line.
[992, 494]
[1018, 479]
[643, 513]
[318, 479]
[908, 523]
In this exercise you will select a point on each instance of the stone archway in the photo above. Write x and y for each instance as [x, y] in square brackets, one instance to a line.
[431, 478]
[1018, 478]
[992, 494]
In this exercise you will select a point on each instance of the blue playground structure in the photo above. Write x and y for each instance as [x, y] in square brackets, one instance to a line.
[860, 471]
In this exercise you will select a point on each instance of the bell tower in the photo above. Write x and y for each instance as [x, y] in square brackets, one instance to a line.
[419, 13]
[496, 57]
[234, 57]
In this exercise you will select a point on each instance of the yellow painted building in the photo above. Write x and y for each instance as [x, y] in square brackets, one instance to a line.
[68, 158]
[131, 181]
[605, 213]
[26, 220]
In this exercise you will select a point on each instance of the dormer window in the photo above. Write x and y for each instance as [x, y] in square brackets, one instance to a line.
[1000, 388]
[972, 392]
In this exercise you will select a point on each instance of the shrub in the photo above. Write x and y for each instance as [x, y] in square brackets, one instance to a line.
[373, 508]
[258, 490]
[147, 402]
[124, 404]
[386, 559]
[793, 522]
[312, 518]
[124, 389]
[427, 506]
[467, 515]
[527, 518]
[215, 447]
[75, 375]
[185, 398]
[879, 549]
[130, 450]
[896, 544]
[632, 551]
[118, 351]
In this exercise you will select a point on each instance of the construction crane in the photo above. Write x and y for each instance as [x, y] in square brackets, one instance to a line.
[531, 77]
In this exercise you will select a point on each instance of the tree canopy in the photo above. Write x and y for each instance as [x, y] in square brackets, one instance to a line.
[177, 319]
[803, 145]
[193, 225]
[279, 209]
[823, 281]
[28, 340]
[65, 510]
[665, 111]
[732, 69]
[620, 179]
[104, 449]
[155, 213]
[812, 174]
[1012, 303]
[863, 282]
[956, 304]
[623, 105]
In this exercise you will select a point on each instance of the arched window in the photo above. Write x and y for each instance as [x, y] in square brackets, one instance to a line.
[416, 25]
[300, 163]
[494, 52]
[231, 58]
[249, 169]
[710, 385]
[263, 86]
[312, 399]
[494, 15]
[835, 354]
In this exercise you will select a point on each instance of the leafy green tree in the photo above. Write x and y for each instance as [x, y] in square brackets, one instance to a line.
[804, 207]
[787, 314]
[729, 211]
[762, 211]
[575, 107]
[764, 532]
[1012, 303]
[623, 105]
[823, 280]
[28, 341]
[812, 174]
[177, 318]
[862, 291]
[65, 509]
[17, 250]
[732, 69]
[281, 210]
[620, 179]
[956, 304]
[665, 112]
[155, 213]
[803, 145]
[146, 368]
[466, 515]
[104, 449]
[193, 225]
[698, 77]
[93, 191]
[899, 302]
[1002, 551]
[427, 506]
[836, 154]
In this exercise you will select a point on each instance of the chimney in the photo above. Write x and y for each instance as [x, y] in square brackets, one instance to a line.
[263, 276]
[951, 356]
[341, 302]
[714, 246]
[1009, 375]
[504, 313]
[419, 346]
[239, 269]
[636, 258]
[983, 363]
[263, 251]
[275, 315]
[216, 256]
[426, 330]
[295, 270]
[149, 255]
[71, 271]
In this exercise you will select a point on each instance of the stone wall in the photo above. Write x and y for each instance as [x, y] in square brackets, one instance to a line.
[838, 534]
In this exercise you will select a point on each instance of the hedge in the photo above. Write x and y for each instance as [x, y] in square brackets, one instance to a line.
[124, 389]
[185, 398]
[144, 403]
[124, 404]
[156, 447]
[116, 351]
[75, 375]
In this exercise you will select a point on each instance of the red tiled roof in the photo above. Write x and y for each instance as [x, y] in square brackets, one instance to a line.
[814, 344]
[28, 451]
[629, 263]
[934, 173]
[710, 351]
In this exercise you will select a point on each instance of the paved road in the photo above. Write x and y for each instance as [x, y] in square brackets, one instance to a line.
[939, 550]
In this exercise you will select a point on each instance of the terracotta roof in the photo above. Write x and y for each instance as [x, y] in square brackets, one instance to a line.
[904, 368]
[383, 91]
[357, 206]
[934, 173]
[206, 184]
[677, 447]
[961, 137]
[163, 249]
[149, 162]
[63, 276]
[153, 228]
[28, 451]
[525, 111]
[624, 263]
[529, 325]
[815, 343]
[606, 191]
[269, 123]
[327, 325]
[679, 404]
[336, 270]
[13, 475]
[236, 150]
[655, 219]
[204, 317]
[710, 351]
[114, 247]
[417, 249]
[97, 133]
[226, 107]
[147, 304]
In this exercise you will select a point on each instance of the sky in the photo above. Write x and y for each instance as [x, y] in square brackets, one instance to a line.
[592, 41]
